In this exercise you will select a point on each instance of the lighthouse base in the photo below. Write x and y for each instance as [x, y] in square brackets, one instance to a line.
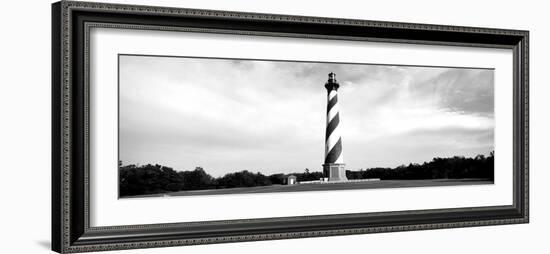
[335, 171]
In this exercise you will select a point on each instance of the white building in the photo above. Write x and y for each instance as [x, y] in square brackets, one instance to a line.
[291, 180]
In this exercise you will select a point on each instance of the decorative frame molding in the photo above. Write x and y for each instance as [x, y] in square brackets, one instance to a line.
[71, 22]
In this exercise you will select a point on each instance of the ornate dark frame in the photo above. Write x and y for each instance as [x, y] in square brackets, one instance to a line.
[71, 22]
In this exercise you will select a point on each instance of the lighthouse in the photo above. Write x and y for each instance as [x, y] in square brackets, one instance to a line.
[334, 167]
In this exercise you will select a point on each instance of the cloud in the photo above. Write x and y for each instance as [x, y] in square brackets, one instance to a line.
[269, 116]
[461, 90]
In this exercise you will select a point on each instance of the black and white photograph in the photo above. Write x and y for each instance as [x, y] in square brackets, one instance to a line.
[217, 126]
[225, 126]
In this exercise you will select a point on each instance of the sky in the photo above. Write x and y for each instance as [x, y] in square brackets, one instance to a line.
[228, 115]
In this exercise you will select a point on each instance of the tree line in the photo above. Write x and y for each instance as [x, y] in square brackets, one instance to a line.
[457, 167]
[154, 179]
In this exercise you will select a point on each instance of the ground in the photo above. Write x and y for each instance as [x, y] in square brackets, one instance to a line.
[327, 187]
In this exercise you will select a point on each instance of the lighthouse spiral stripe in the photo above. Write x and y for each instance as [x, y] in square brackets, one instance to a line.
[333, 140]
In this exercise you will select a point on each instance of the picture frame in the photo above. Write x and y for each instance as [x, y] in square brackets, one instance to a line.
[71, 196]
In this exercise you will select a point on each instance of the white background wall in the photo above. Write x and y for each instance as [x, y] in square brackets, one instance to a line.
[25, 125]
